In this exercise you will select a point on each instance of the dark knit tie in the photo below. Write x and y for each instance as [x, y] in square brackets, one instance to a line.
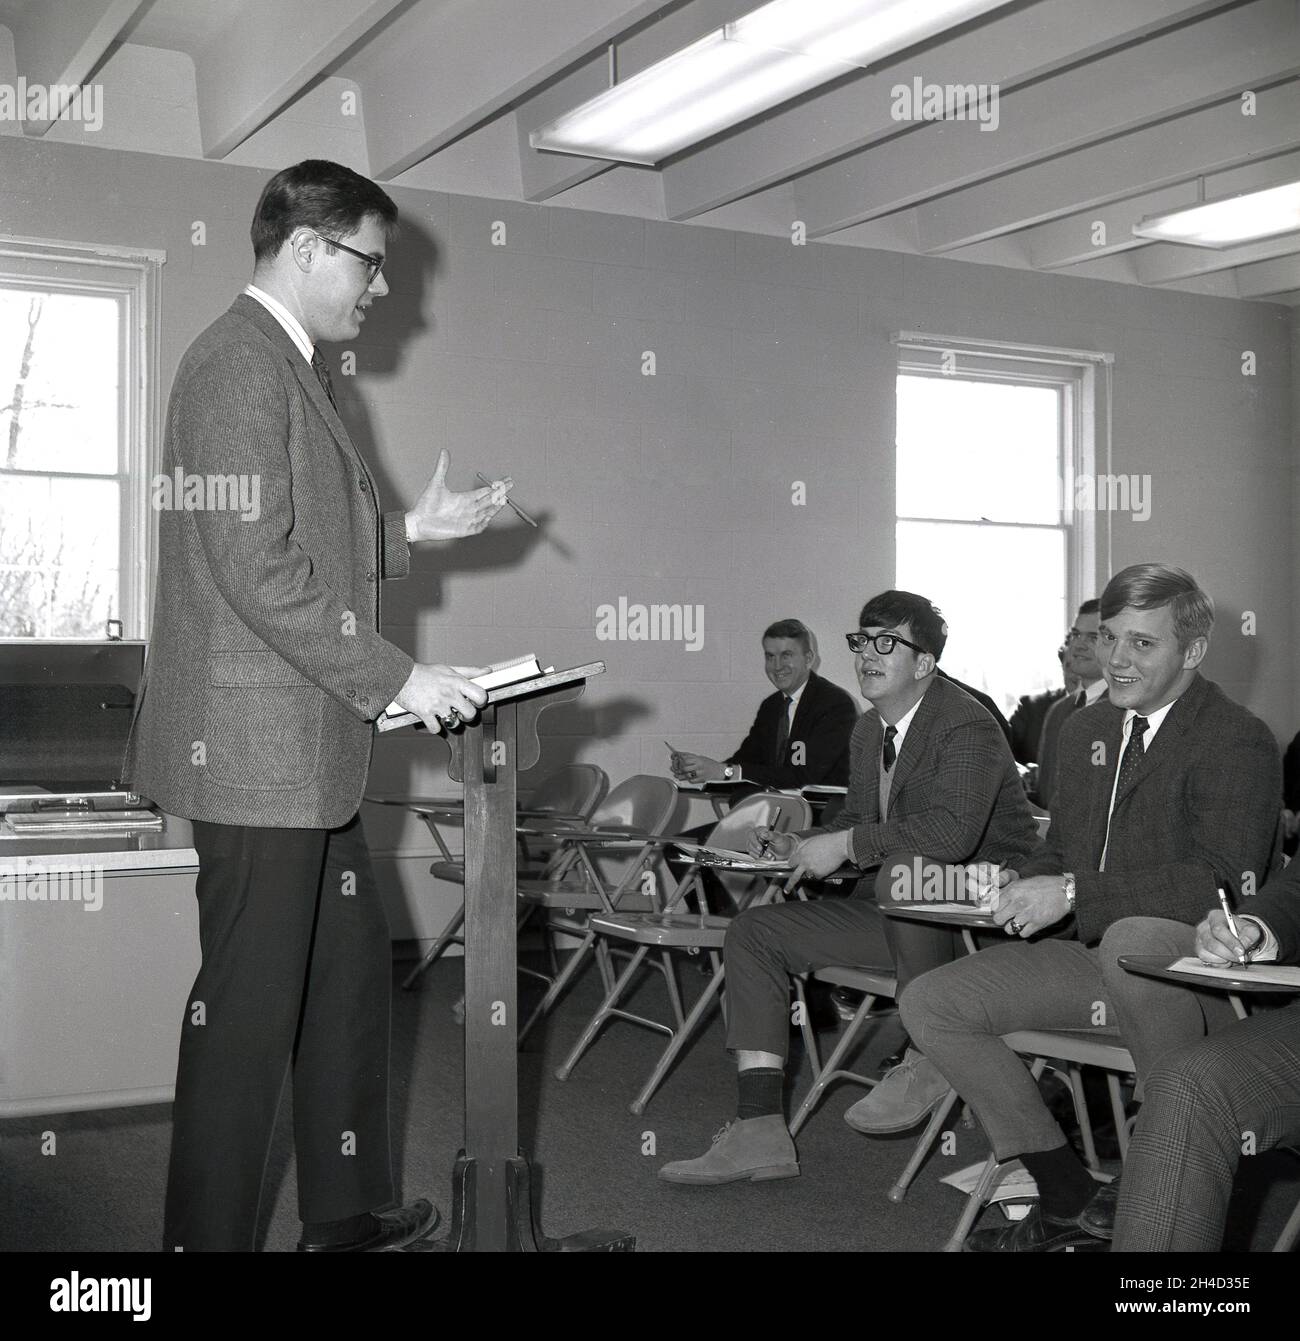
[889, 754]
[1080, 698]
[322, 371]
[1134, 753]
[783, 729]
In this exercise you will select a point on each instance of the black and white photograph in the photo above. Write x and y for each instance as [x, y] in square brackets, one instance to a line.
[650, 626]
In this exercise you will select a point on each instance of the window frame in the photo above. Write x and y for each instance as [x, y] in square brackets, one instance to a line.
[1084, 379]
[134, 276]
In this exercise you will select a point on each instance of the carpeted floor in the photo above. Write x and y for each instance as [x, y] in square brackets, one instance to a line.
[102, 1187]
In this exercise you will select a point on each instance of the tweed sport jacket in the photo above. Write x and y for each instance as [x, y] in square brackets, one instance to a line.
[1202, 810]
[265, 668]
[956, 795]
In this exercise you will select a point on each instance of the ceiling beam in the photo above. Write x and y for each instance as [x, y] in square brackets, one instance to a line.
[440, 70]
[1144, 160]
[1194, 66]
[1008, 48]
[1164, 262]
[61, 42]
[269, 54]
[1270, 277]
[1100, 232]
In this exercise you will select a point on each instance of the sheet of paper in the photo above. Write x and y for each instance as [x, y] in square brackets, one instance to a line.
[1283, 975]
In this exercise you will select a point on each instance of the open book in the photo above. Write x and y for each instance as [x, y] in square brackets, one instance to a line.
[496, 676]
[1280, 975]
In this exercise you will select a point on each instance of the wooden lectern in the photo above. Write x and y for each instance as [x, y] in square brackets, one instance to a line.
[491, 1190]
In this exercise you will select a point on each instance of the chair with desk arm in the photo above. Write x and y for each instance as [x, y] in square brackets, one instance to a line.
[670, 928]
[596, 868]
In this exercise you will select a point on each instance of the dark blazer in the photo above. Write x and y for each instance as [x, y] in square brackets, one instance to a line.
[1202, 810]
[983, 700]
[1027, 724]
[1278, 904]
[1049, 747]
[265, 666]
[823, 722]
[956, 794]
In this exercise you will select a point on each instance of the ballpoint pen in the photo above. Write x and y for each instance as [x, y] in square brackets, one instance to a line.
[510, 503]
[1232, 922]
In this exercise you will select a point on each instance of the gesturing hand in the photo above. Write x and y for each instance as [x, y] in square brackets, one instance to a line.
[442, 514]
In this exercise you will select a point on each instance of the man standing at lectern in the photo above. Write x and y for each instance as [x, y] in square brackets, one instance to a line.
[266, 671]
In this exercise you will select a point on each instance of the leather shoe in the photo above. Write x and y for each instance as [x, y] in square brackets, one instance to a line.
[750, 1148]
[1036, 1233]
[906, 1096]
[1098, 1216]
[395, 1228]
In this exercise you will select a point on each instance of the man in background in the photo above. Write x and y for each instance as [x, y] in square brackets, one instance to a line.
[1081, 663]
[800, 734]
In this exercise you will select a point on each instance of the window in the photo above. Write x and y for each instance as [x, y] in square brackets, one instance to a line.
[77, 412]
[990, 444]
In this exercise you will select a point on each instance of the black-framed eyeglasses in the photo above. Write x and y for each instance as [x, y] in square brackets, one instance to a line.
[884, 643]
[376, 263]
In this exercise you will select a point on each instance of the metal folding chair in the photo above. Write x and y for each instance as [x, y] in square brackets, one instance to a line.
[1045, 1046]
[566, 796]
[875, 983]
[597, 868]
[671, 928]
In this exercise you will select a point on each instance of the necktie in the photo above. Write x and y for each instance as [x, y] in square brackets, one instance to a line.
[1134, 752]
[783, 729]
[1080, 698]
[889, 754]
[322, 371]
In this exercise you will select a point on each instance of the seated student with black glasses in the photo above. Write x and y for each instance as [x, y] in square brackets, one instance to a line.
[932, 776]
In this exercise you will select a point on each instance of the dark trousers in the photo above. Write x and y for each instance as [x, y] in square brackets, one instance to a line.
[295, 974]
[764, 946]
[1206, 1105]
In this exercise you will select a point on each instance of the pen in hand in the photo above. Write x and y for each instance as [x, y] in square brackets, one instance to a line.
[1232, 923]
[510, 503]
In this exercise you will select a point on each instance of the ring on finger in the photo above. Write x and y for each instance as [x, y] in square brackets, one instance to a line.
[1014, 927]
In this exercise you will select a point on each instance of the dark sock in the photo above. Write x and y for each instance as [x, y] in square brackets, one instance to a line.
[760, 1092]
[341, 1231]
[1064, 1186]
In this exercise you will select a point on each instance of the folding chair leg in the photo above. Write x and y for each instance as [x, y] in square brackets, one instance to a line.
[445, 938]
[831, 1071]
[1290, 1232]
[923, 1145]
[975, 1203]
[1117, 1113]
[805, 1028]
[577, 960]
[678, 1042]
[674, 991]
[1085, 1122]
[602, 1013]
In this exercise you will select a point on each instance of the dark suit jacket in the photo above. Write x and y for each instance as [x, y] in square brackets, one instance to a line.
[265, 667]
[1027, 724]
[983, 700]
[1201, 811]
[823, 722]
[1048, 747]
[956, 795]
[1278, 904]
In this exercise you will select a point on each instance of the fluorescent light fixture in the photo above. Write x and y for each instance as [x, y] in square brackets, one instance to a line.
[769, 56]
[1225, 223]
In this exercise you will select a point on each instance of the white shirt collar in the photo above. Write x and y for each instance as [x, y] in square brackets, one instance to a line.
[1154, 721]
[1094, 691]
[286, 319]
[796, 696]
[901, 726]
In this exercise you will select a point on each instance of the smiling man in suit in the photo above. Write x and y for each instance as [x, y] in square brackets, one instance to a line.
[1167, 790]
[266, 671]
[932, 776]
[800, 734]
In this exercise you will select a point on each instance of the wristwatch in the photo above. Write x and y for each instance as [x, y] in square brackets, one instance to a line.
[1068, 887]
